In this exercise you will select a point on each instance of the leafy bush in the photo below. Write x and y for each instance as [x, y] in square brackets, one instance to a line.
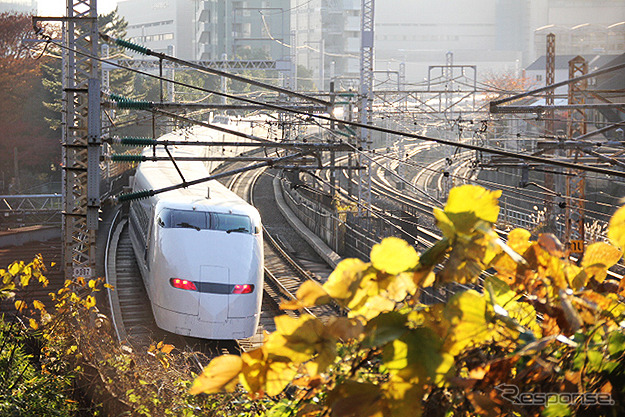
[538, 334]
[27, 388]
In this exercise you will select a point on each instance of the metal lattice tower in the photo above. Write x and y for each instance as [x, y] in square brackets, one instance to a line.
[81, 138]
[576, 180]
[449, 81]
[366, 100]
[550, 78]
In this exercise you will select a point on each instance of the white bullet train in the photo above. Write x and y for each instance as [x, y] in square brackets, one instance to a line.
[199, 249]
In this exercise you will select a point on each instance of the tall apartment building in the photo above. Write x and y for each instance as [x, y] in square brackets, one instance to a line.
[208, 29]
[160, 25]
[327, 36]
[252, 29]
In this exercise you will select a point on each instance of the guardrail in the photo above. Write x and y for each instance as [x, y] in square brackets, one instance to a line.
[28, 209]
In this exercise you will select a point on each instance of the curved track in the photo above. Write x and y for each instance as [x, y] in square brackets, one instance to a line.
[288, 263]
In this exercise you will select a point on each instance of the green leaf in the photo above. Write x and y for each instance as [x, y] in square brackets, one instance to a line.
[385, 328]
[418, 356]
[434, 254]
[557, 409]
[444, 223]
[616, 343]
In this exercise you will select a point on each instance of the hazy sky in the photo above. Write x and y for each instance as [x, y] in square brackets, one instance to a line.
[57, 7]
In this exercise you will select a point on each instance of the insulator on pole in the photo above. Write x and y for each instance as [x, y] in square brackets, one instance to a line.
[130, 141]
[137, 195]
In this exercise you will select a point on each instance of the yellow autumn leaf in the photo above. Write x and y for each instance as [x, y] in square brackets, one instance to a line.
[372, 307]
[90, 301]
[519, 240]
[92, 283]
[309, 294]
[38, 305]
[33, 324]
[43, 281]
[598, 257]
[444, 223]
[418, 356]
[15, 268]
[400, 287]
[466, 313]
[166, 349]
[344, 280]
[616, 228]
[262, 373]
[221, 374]
[393, 255]
[475, 199]
[20, 305]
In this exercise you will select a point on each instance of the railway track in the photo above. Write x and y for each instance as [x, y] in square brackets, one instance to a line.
[288, 264]
[289, 261]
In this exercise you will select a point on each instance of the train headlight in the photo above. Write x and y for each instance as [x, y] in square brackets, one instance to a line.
[182, 284]
[243, 289]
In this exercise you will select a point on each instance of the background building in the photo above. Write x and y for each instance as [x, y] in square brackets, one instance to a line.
[210, 29]
[248, 29]
[327, 34]
[497, 36]
[20, 6]
[160, 25]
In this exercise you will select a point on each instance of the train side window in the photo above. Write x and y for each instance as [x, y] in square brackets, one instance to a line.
[231, 223]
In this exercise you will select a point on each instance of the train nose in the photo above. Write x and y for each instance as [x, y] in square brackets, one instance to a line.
[214, 301]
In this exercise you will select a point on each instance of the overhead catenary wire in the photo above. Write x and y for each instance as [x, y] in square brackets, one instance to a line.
[340, 122]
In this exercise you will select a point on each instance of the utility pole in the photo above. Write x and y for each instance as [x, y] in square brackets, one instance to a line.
[576, 180]
[81, 138]
[366, 102]
[550, 78]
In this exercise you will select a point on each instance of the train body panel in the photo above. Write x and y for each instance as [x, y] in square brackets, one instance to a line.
[199, 250]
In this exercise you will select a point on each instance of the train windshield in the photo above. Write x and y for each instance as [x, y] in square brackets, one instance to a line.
[201, 220]
[231, 223]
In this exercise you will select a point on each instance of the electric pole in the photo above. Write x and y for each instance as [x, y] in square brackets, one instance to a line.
[366, 102]
[576, 180]
[80, 138]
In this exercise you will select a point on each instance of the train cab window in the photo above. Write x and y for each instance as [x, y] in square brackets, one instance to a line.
[201, 220]
[189, 219]
[231, 223]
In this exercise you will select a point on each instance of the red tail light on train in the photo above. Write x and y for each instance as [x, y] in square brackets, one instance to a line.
[183, 284]
[243, 289]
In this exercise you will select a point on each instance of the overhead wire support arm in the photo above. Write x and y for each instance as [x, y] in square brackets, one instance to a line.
[137, 195]
[130, 141]
[146, 51]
